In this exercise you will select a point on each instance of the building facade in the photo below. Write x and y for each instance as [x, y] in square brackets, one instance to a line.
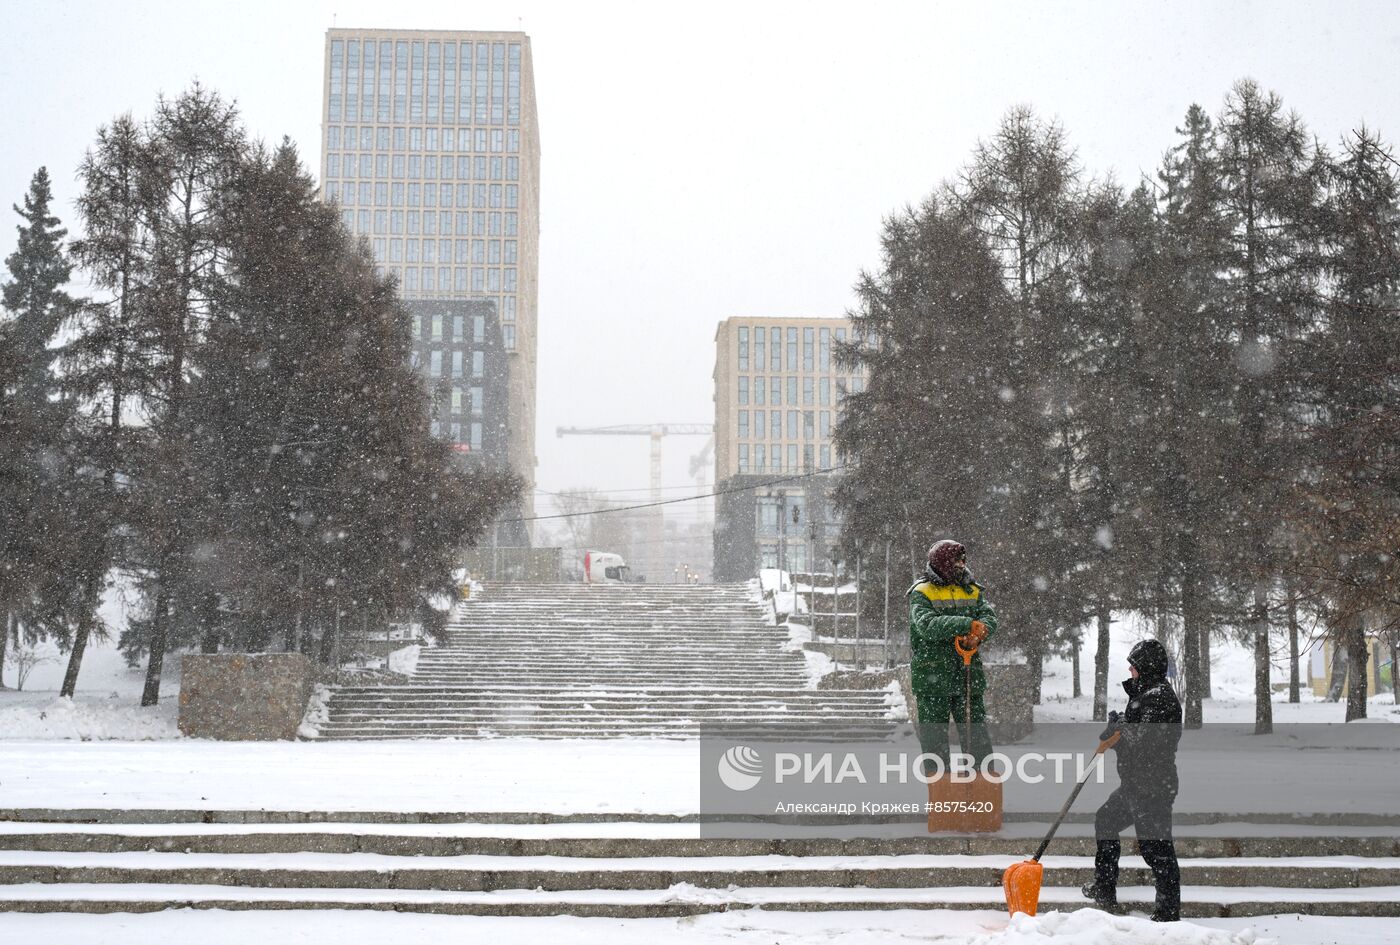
[458, 349]
[430, 145]
[778, 391]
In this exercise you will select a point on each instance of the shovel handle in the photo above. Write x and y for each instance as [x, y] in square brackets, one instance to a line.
[964, 651]
[1104, 746]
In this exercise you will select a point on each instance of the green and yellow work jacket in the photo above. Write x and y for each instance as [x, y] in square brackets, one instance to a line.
[937, 614]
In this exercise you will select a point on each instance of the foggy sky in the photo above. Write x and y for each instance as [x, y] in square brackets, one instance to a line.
[711, 160]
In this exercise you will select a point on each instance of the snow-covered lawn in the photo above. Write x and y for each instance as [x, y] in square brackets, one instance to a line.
[1232, 681]
[986, 927]
[1222, 771]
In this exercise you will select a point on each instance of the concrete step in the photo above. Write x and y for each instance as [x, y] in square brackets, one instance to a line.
[817, 714]
[600, 703]
[671, 690]
[505, 729]
[558, 873]
[864, 652]
[1197, 901]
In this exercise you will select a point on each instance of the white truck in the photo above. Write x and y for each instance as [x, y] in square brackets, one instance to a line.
[604, 567]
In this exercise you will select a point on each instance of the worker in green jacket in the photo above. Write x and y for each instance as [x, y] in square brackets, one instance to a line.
[947, 606]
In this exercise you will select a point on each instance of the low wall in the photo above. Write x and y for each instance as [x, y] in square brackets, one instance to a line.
[244, 696]
[1010, 712]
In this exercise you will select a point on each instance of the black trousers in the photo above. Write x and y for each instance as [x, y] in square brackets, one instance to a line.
[1150, 814]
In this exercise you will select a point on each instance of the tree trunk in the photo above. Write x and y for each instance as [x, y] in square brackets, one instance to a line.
[5, 643]
[1395, 668]
[1263, 692]
[1035, 657]
[1105, 622]
[1294, 672]
[75, 657]
[1193, 716]
[209, 624]
[160, 628]
[1358, 686]
[1074, 664]
[1205, 663]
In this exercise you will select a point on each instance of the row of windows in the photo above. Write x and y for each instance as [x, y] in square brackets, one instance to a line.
[481, 252]
[432, 222]
[385, 138]
[421, 167]
[809, 347]
[442, 363]
[462, 401]
[366, 194]
[770, 423]
[452, 328]
[792, 459]
[795, 558]
[415, 80]
[452, 279]
[427, 286]
[452, 431]
[774, 516]
[816, 391]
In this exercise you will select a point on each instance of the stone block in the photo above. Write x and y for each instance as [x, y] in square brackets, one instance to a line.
[244, 696]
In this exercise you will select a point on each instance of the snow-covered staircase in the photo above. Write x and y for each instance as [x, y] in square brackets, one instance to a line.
[626, 866]
[576, 660]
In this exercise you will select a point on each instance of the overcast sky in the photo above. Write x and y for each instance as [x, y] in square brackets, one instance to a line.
[734, 159]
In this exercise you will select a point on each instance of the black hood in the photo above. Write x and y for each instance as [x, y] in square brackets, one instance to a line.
[1149, 658]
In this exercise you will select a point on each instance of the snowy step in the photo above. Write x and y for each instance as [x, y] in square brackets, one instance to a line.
[504, 730]
[683, 899]
[446, 834]
[685, 655]
[561, 873]
[776, 713]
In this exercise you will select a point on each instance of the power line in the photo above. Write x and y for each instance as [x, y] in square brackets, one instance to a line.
[689, 498]
[568, 493]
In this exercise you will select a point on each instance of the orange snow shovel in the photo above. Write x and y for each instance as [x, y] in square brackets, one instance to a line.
[1021, 881]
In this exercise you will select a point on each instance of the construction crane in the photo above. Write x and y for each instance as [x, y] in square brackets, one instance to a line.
[654, 430]
[655, 555]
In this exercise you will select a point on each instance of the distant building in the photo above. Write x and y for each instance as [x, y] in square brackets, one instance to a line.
[457, 347]
[778, 390]
[430, 144]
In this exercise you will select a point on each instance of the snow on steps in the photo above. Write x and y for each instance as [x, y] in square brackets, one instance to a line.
[680, 900]
[634, 869]
[577, 661]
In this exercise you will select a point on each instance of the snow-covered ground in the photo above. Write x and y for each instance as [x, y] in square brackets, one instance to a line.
[1223, 771]
[1232, 681]
[108, 700]
[985, 927]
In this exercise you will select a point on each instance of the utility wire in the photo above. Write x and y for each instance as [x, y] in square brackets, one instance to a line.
[689, 498]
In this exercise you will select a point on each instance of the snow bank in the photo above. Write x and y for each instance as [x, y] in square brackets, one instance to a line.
[405, 660]
[318, 711]
[86, 718]
[894, 698]
[742, 927]
[1092, 927]
[772, 579]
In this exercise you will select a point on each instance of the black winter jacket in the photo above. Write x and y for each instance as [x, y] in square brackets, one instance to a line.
[1151, 729]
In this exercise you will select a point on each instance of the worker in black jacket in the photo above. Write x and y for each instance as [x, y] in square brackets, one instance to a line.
[1151, 729]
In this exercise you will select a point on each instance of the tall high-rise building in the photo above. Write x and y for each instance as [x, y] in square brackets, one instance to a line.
[430, 144]
[778, 391]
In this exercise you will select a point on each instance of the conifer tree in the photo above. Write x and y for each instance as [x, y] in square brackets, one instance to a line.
[1349, 403]
[1270, 186]
[48, 555]
[1023, 193]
